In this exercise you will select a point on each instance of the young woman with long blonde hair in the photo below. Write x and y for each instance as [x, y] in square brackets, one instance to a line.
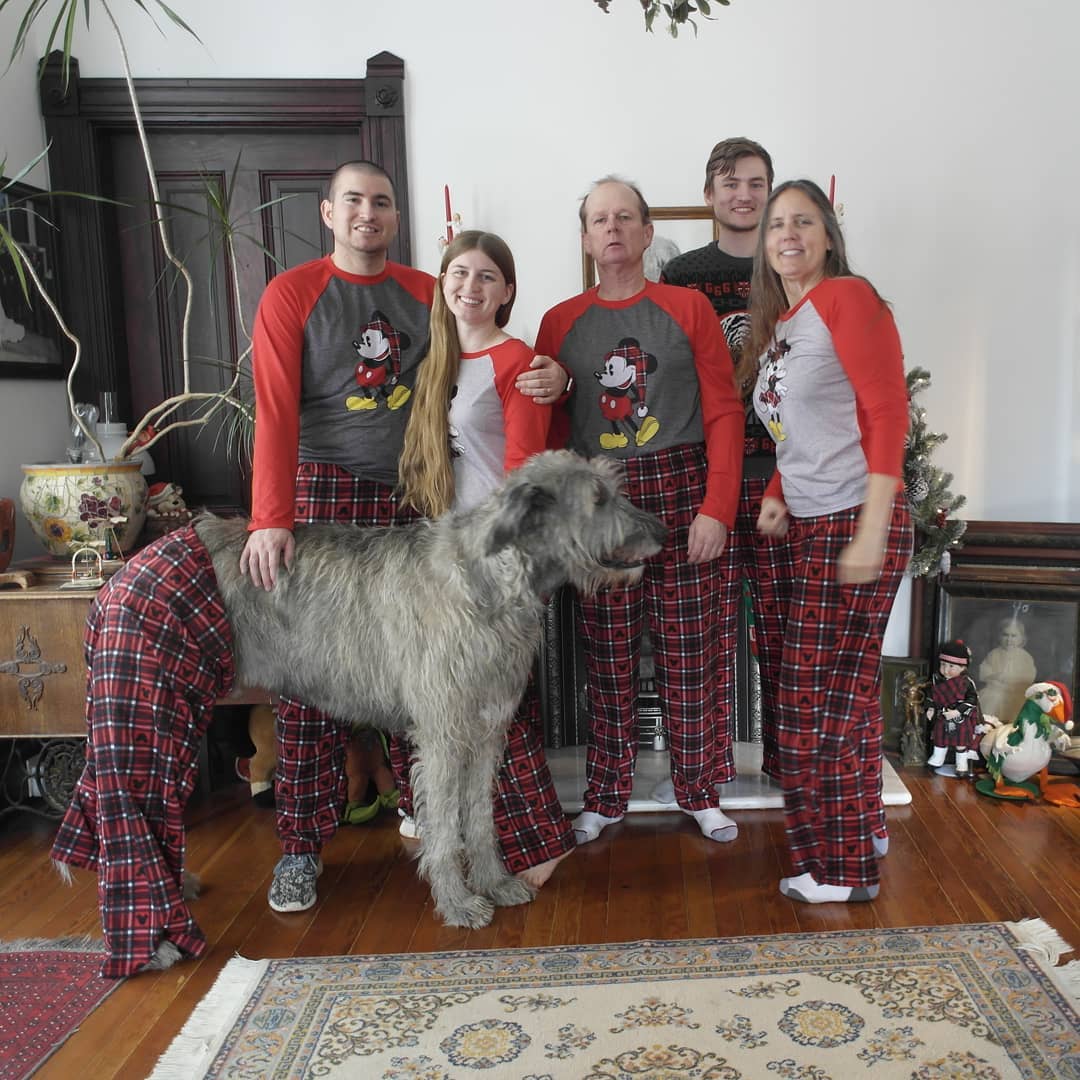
[469, 426]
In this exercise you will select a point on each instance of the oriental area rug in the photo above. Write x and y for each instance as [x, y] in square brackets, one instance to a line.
[47, 989]
[978, 1001]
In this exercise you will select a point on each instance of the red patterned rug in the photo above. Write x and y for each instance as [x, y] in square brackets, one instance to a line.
[47, 989]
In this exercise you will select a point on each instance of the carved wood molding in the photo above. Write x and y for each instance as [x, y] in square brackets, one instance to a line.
[1032, 541]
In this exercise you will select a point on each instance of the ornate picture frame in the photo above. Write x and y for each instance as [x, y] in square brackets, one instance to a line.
[1013, 597]
[676, 229]
[31, 343]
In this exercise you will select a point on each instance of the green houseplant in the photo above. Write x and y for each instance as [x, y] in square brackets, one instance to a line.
[70, 514]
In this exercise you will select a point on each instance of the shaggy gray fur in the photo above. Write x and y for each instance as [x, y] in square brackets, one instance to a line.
[430, 630]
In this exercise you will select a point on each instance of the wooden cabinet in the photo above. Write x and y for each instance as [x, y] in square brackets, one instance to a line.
[42, 674]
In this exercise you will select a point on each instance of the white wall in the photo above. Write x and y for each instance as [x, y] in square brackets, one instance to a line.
[950, 129]
[33, 412]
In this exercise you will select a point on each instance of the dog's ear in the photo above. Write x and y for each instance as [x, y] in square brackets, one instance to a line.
[519, 510]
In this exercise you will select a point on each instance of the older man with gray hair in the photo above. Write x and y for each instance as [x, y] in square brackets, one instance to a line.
[651, 386]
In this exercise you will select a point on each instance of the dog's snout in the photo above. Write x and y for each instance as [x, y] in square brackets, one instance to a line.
[651, 527]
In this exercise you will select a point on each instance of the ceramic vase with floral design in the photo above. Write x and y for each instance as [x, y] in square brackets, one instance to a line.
[69, 505]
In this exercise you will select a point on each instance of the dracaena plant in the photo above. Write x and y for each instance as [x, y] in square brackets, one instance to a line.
[188, 408]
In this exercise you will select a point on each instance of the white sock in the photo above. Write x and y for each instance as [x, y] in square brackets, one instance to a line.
[715, 824]
[588, 825]
[805, 888]
[938, 756]
[881, 845]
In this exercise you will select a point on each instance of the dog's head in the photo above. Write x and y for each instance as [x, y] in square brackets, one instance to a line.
[568, 516]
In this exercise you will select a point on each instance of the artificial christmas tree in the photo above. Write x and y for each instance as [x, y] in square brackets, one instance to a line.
[931, 502]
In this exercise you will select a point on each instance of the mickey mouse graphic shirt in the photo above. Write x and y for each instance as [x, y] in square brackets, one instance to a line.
[831, 391]
[334, 364]
[651, 372]
[493, 427]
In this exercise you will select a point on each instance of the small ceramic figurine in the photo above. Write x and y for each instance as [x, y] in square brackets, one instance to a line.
[913, 688]
[1021, 749]
[954, 714]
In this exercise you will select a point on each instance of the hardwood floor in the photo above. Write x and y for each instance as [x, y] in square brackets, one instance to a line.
[954, 857]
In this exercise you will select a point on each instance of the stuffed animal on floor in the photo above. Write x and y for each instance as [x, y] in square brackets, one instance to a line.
[1022, 749]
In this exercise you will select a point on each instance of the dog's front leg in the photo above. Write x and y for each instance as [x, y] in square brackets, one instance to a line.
[487, 874]
[437, 776]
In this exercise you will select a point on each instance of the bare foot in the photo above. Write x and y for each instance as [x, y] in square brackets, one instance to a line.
[535, 876]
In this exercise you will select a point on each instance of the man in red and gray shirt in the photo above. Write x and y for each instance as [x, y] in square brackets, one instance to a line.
[652, 387]
[336, 345]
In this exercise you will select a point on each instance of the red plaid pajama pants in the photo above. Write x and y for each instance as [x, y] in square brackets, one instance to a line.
[529, 819]
[830, 729]
[158, 654]
[766, 564]
[679, 599]
[310, 782]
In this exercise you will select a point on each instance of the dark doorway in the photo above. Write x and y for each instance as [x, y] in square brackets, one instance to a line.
[251, 169]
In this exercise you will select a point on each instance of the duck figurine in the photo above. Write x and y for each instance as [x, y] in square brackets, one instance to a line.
[1020, 750]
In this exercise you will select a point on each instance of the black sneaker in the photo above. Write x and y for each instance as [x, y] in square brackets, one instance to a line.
[293, 887]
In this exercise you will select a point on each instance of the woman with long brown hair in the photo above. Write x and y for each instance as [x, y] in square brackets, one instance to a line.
[830, 388]
[469, 426]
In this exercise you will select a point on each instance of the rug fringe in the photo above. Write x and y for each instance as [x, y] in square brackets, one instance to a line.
[1047, 946]
[190, 1053]
[85, 943]
[1039, 937]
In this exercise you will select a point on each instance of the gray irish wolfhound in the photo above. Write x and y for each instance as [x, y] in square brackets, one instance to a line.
[431, 630]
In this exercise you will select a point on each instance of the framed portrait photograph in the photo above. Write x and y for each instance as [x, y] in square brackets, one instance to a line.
[676, 230]
[1019, 633]
[30, 340]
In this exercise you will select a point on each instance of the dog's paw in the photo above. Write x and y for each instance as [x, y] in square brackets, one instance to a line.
[473, 913]
[192, 886]
[165, 955]
[511, 891]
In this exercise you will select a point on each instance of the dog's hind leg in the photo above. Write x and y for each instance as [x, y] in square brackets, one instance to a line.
[436, 778]
[487, 874]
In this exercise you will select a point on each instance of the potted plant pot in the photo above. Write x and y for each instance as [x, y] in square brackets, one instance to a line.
[69, 505]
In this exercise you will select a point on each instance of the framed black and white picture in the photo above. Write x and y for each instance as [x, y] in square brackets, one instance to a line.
[30, 339]
[1019, 631]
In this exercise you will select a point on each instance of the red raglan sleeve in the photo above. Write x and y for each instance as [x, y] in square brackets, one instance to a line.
[526, 424]
[868, 346]
[549, 339]
[418, 283]
[277, 351]
[722, 413]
